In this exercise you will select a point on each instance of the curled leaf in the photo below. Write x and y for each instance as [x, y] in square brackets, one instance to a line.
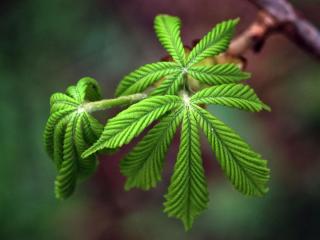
[69, 131]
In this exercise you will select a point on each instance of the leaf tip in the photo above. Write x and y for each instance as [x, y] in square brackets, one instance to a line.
[62, 193]
[236, 20]
[187, 223]
[87, 153]
[266, 107]
[246, 75]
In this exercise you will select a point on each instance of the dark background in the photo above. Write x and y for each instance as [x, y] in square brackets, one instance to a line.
[47, 45]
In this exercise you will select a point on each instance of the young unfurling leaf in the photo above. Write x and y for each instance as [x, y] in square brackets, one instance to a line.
[69, 131]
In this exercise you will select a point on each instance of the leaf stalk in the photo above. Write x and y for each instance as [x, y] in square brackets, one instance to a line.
[109, 103]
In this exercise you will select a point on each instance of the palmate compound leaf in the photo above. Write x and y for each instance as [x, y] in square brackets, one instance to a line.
[167, 29]
[175, 73]
[187, 195]
[143, 165]
[131, 122]
[69, 131]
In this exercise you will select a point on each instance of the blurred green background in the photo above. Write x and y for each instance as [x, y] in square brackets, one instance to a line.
[47, 45]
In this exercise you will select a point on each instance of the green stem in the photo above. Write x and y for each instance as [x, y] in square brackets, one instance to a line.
[109, 103]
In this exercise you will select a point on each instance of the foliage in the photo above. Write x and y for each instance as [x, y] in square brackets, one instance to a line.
[173, 103]
[69, 131]
[183, 66]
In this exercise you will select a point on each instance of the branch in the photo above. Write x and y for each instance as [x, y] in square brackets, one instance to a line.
[277, 16]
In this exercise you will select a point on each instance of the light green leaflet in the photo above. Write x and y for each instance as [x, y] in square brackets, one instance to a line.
[172, 75]
[143, 166]
[187, 196]
[132, 121]
[69, 131]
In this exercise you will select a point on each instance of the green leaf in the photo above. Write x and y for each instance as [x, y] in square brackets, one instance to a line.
[170, 86]
[215, 42]
[62, 102]
[167, 29]
[71, 139]
[143, 165]
[50, 129]
[86, 166]
[58, 140]
[246, 169]
[131, 122]
[92, 128]
[187, 195]
[69, 131]
[87, 89]
[144, 77]
[67, 177]
[230, 95]
[218, 74]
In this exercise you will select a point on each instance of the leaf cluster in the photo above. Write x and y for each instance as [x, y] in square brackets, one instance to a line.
[69, 131]
[174, 104]
[170, 77]
[73, 136]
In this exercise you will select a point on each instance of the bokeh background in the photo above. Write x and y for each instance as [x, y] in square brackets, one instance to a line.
[47, 45]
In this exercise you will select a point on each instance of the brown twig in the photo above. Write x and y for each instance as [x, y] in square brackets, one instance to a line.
[277, 16]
